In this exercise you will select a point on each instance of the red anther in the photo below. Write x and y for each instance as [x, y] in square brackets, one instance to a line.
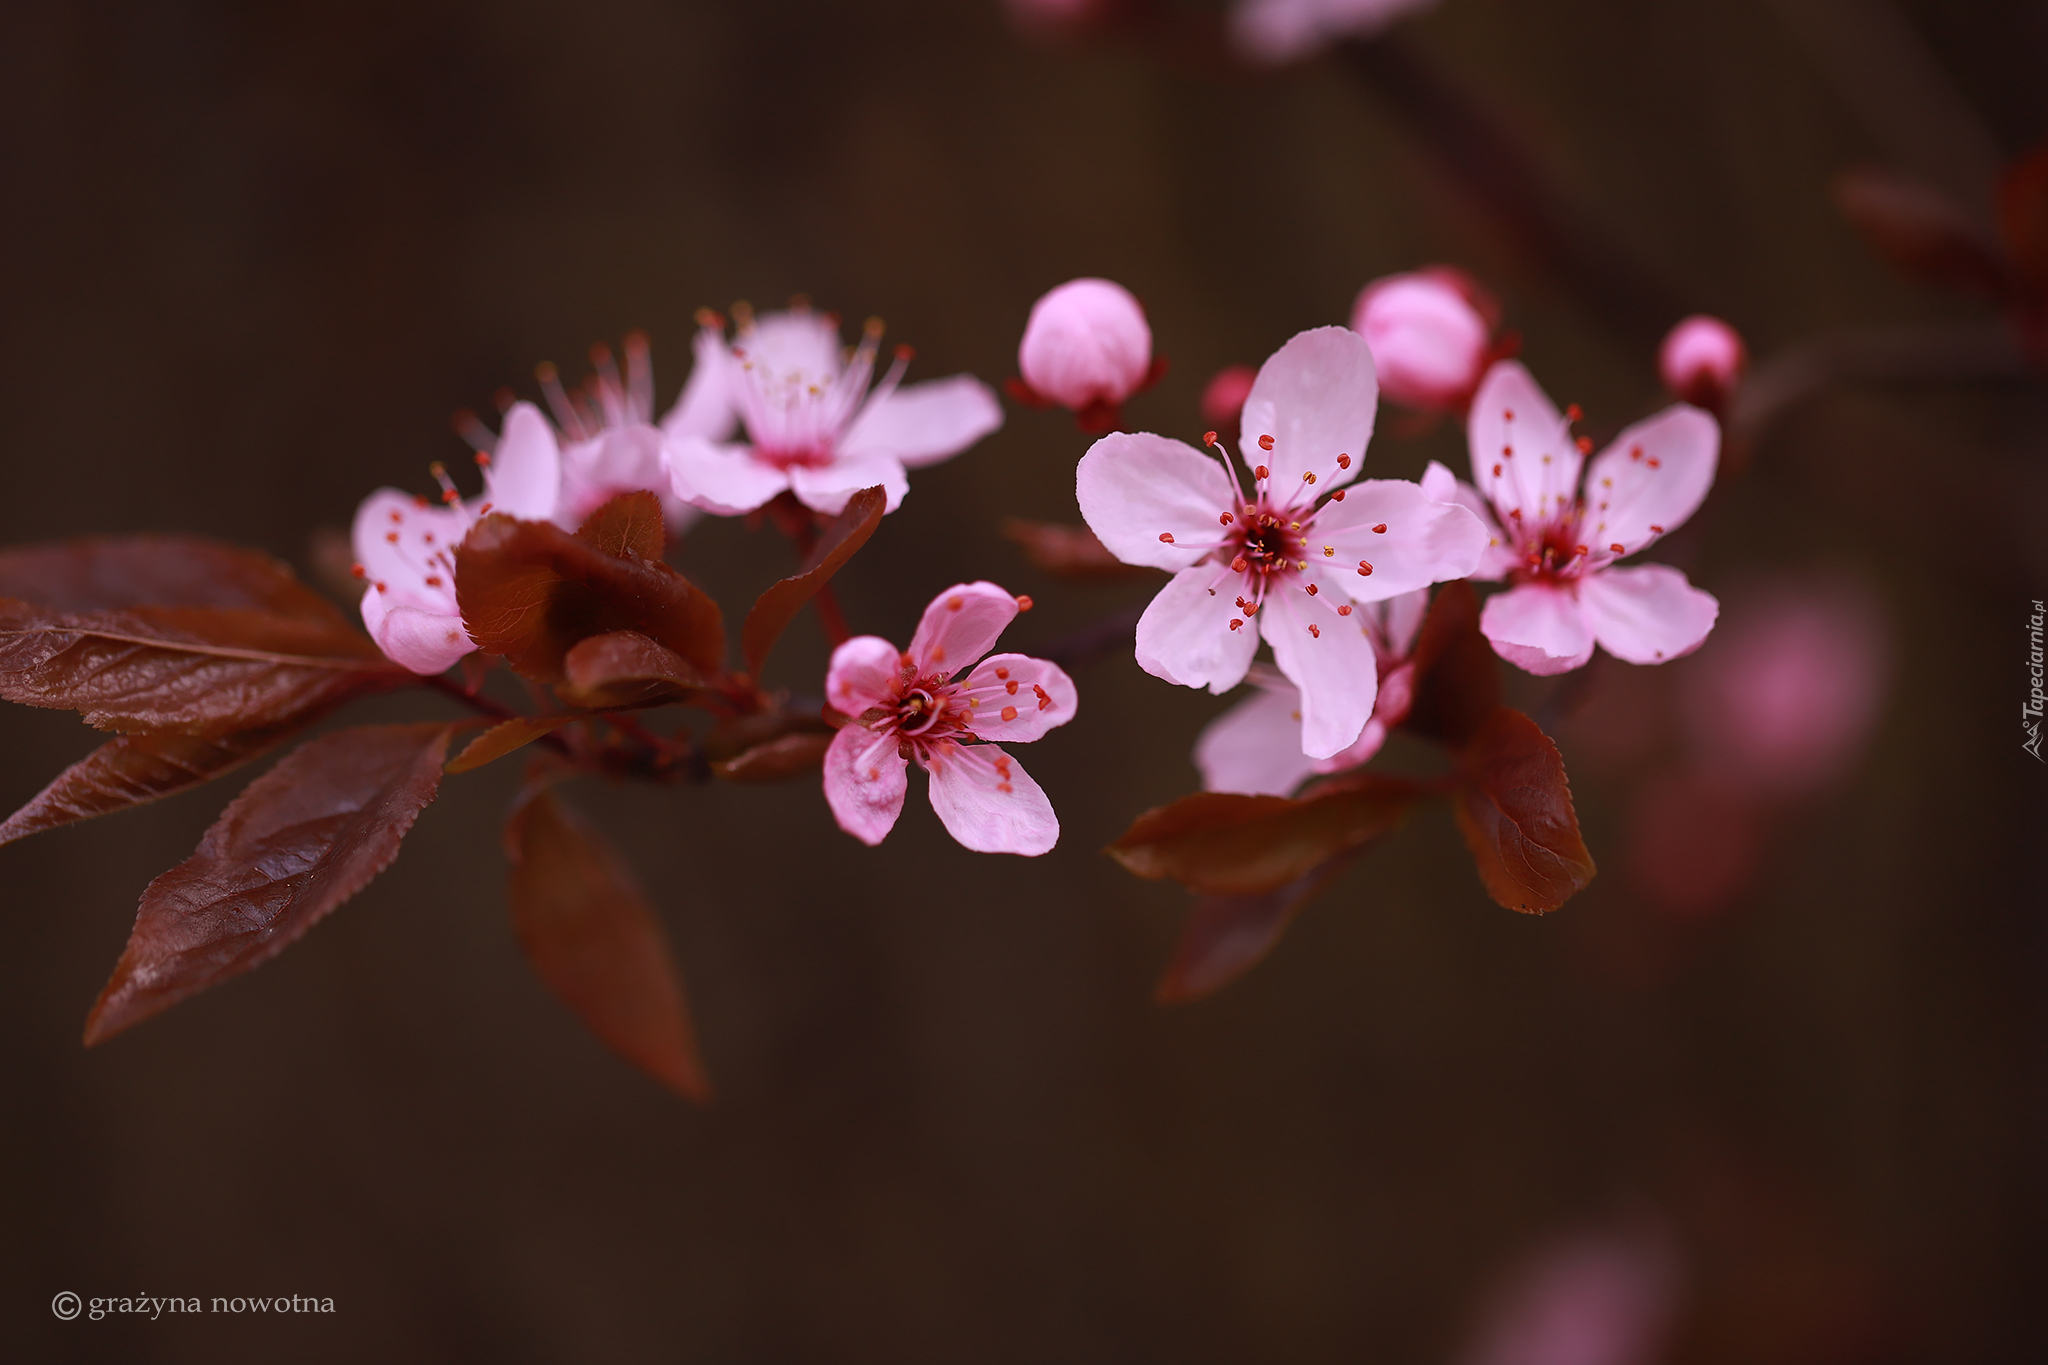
[451, 496]
[1344, 610]
[1311, 590]
[1655, 463]
[483, 459]
[1508, 451]
[1235, 623]
[1004, 787]
[383, 587]
[1337, 496]
[1003, 764]
[1343, 462]
[1507, 414]
[1364, 569]
[1657, 530]
[710, 317]
[903, 660]
[1009, 713]
[1000, 672]
[955, 603]
[1635, 452]
[1315, 630]
[1573, 412]
[1044, 700]
[1380, 529]
[391, 537]
[433, 580]
[1166, 537]
[417, 501]
[427, 536]
[1265, 443]
[1225, 519]
[1024, 602]
[1308, 478]
[1617, 548]
[904, 352]
[1011, 687]
[1262, 471]
[1585, 445]
[356, 571]
[1516, 514]
[397, 516]
[1580, 550]
[1240, 604]
[485, 510]
[1237, 565]
[1496, 471]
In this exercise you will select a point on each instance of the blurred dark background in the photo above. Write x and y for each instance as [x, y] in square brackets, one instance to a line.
[255, 255]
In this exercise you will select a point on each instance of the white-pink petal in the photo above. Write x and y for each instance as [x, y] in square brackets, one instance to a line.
[704, 408]
[1651, 479]
[1316, 397]
[1255, 746]
[402, 544]
[1185, 635]
[862, 674]
[865, 781]
[426, 642]
[1424, 542]
[960, 626]
[1539, 628]
[989, 803]
[524, 477]
[1035, 695]
[1333, 665]
[1134, 487]
[722, 479]
[826, 488]
[1648, 614]
[1523, 456]
[921, 424]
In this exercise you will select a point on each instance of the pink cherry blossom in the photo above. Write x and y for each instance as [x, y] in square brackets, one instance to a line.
[1701, 361]
[813, 427]
[1288, 556]
[1428, 335]
[405, 546]
[1255, 746]
[1087, 347]
[1277, 31]
[934, 703]
[1557, 545]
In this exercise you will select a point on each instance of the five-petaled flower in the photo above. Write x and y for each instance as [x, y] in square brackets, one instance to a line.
[926, 703]
[1290, 556]
[405, 546]
[812, 425]
[1557, 545]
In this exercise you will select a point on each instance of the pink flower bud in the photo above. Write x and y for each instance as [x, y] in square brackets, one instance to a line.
[1429, 338]
[1701, 360]
[1087, 345]
[1223, 398]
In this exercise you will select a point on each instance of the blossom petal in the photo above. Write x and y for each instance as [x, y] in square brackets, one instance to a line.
[960, 626]
[989, 803]
[922, 424]
[1369, 742]
[1020, 698]
[704, 408]
[727, 480]
[524, 478]
[621, 460]
[426, 642]
[863, 673]
[1332, 665]
[1255, 746]
[1538, 628]
[1648, 614]
[1409, 540]
[1394, 623]
[1523, 457]
[1439, 484]
[825, 488]
[1185, 635]
[1316, 397]
[1651, 478]
[865, 781]
[402, 545]
[1134, 487]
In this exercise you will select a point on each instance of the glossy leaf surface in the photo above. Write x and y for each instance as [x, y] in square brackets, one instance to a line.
[629, 524]
[506, 737]
[133, 770]
[624, 668]
[1457, 681]
[95, 573]
[1226, 936]
[1514, 808]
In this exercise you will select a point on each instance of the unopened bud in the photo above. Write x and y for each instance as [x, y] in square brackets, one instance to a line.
[1087, 342]
[1429, 339]
[1702, 360]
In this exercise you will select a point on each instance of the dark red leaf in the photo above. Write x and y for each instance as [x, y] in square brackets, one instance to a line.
[530, 591]
[776, 759]
[1514, 807]
[591, 935]
[301, 839]
[629, 524]
[1230, 844]
[198, 670]
[134, 770]
[2023, 217]
[98, 573]
[1068, 551]
[778, 606]
[504, 738]
[624, 668]
[1921, 231]
[1457, 682]
[1226, 936]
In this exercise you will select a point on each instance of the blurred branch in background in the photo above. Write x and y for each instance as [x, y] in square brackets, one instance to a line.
[1911, 352]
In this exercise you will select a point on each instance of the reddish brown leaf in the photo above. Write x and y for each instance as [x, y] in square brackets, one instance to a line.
[628, 524]
[1457, 682]
[1226, 936]
[98, 573]
[624, 668]
[134, 770]
[301, 839]
[1068, 551]
[785, 756]
[199, 670]
[530, 591]
[1921, 231]
[504, 738]
[591, 935]
[1229, 844]
[1514, 807]
[2023, 217]
[777, 607]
